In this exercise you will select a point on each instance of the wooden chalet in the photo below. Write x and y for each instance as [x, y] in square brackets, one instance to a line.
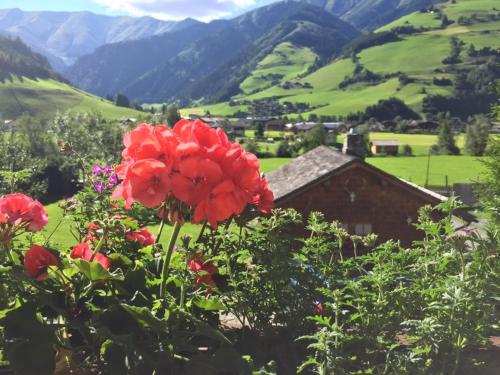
[345, 188]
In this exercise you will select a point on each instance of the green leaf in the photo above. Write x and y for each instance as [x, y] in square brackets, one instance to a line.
[204, 328]
[120, 260]
[209, 304]
[94, 271]
[30, 342]
[145, 318]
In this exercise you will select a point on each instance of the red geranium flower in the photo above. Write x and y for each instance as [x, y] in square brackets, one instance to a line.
[222, 203]
[36, 261]
[147, 182]
[197, 265]
[18, 209]
[264, 197]
[195, 164]
[143, 236]
[196, 178]
[83, 251]
[147, 142]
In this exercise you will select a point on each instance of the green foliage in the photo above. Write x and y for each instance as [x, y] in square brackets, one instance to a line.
[415, 311]
[17, 59]
[490, 191]
[407, 150]
[476, 135]
[44, 159]
[122, 101]
[173, 115]
[446, 140]
[317, 136]
[389, 109]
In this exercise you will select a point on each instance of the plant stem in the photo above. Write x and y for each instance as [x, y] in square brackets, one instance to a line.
[168, 256]
[99, 245]
[202, 231]
[160, 231]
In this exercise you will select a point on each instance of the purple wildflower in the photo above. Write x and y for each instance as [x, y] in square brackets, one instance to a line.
[106, 169]
[113, 180]
[99, 187]
[96, 170]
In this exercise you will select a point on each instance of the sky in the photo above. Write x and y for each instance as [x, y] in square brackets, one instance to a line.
[203, 10]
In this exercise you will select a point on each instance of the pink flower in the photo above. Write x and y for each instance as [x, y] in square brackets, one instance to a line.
[36, 261]
[18, 209]
[143, 236]
[83, 251]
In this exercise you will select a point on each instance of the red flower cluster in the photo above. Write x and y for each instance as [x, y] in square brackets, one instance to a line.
[142, 236]
[207, 269]
[19, 209]
[36, 261]
[83, 251]
[194, 164]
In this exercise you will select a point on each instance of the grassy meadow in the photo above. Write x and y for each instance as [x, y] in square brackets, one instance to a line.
[286, 62]
[42, 98]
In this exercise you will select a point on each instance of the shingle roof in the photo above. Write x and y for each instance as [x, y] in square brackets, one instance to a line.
[316, 164]
[306, 169]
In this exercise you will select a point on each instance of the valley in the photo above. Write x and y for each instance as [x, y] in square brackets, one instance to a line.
[417, 57]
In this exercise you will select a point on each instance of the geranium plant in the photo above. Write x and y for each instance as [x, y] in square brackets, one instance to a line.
[118, 301]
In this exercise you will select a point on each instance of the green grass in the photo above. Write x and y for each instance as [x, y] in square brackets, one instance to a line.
[286, 61]
[420, 143]
[61, 228]
[468, 7]
[413, 55]
[416, 19]
[43, 98]
[267, 165]
[458, 169]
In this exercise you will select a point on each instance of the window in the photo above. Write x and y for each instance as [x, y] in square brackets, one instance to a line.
[363, 229]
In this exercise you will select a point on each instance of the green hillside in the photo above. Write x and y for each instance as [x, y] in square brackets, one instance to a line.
[44, 97]
[418, 54]
[284, 63]
[29, 85]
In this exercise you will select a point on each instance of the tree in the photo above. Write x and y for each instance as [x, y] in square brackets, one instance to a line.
[122, 101]
[173, 115]
[252, 146]
[446, 140]
[315, 137]
[407, 150]
[284, 150]
[259, 132]
[387, 109]
[476, 135]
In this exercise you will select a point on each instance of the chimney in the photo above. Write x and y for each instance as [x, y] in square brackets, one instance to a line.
[354, 144]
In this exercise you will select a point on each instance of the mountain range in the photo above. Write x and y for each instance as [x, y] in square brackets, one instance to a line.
[62, 37]
[207, 60]
[370, 14]
[290, 57]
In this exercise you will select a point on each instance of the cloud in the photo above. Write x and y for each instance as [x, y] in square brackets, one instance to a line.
[203, 10]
